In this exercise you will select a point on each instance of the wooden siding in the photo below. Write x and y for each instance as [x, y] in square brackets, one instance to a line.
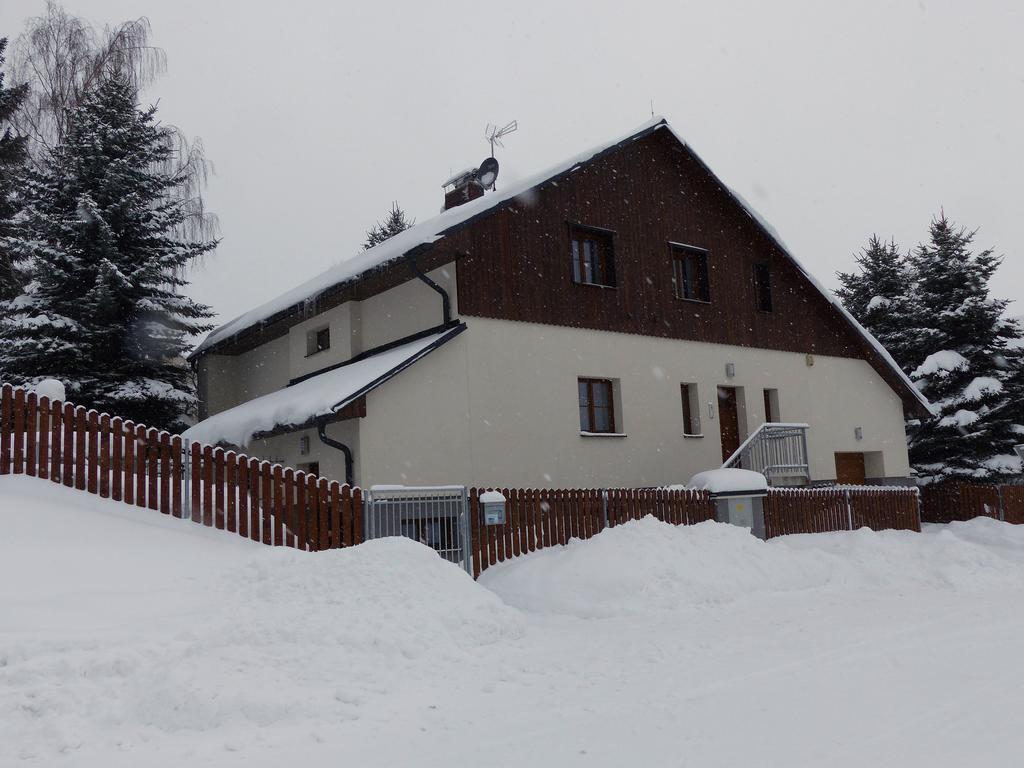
[516, 263]
[649, 194]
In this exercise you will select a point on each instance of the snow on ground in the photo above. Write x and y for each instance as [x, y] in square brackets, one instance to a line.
[130, 639]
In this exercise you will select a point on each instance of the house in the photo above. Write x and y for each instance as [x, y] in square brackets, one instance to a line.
[622, 319]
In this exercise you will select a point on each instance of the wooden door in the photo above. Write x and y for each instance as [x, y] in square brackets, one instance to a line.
[729, 421]
[850, 469]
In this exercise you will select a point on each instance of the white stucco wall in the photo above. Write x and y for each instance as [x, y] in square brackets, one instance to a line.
[355, 327]
[229, 380]
[498, 405]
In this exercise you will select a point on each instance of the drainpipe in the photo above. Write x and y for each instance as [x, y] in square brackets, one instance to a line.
[321, 431]
[444, 294]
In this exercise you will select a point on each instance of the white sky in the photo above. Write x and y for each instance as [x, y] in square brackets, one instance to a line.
[834, 119]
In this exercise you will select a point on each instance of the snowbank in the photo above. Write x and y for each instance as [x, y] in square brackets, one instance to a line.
[647, 566]
[122, 624]
[130, 639]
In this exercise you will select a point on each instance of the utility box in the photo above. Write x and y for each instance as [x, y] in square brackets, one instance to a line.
[493, 505]
[738, 496]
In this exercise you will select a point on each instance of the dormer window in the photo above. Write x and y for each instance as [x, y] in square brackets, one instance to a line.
[318, 340]
[593, 258]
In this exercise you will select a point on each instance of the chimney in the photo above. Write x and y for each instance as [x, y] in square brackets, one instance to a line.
[464, 187]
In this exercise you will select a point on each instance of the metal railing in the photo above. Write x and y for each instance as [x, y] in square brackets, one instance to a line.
[435, 516]
[777, 451]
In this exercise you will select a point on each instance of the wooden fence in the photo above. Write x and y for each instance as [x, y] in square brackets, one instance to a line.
[128, 462]
[535, 519]
[950, 501]
[820, 510]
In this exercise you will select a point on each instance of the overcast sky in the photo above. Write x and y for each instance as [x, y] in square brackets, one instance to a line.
[835, 120]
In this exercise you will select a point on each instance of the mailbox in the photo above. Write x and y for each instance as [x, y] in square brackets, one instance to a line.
[493, 504]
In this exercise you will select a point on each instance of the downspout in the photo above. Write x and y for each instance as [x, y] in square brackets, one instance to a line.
[321, 431]
[321, 424]
[444, 294]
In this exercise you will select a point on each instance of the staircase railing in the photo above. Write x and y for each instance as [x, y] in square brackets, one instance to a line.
[775, 450]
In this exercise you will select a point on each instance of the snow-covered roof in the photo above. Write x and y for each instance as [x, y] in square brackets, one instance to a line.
[432, 230]
[730, 481]
[321, 395]
[394, 248]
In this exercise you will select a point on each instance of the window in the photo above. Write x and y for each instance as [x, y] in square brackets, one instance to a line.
[763, 287]
[691, 410]
[771, 405]
[690, 273]
[597, 411]
[593, 262]
[318, 341]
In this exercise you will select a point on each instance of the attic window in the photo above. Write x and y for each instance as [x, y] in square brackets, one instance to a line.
[593, 258]
[317, 341]
[690, 273]
[763, 287]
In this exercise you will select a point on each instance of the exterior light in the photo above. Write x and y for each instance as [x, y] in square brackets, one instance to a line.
[858, 432]
[730, 370]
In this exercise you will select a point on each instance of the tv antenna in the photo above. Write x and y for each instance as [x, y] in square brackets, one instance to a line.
[494, 134]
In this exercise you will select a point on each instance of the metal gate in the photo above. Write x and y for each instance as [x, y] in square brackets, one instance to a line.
[435, 516]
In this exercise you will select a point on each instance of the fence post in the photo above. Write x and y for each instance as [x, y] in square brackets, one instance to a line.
[849, 511]
[186, 491]
[1002, 506]
[604, 508]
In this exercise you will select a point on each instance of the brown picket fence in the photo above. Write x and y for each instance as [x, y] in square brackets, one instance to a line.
[953, 501]
[821, 510]
[147, 468]
[535, 519]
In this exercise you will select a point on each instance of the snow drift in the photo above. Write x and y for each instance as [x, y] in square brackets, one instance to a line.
[647, 566]
[128, 638]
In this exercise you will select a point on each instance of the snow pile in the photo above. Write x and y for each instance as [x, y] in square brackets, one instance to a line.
[121, 626]
[878, 301]
[647, 566]
[131, 639]
[729, 480]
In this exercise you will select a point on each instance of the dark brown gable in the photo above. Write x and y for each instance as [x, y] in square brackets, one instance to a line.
[650, 194]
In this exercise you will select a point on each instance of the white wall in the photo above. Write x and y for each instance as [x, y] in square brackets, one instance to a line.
[498, 405]
[355, 326]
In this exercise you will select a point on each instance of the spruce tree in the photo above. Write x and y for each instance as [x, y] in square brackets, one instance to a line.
[393, 223]
[881, 297]
[13, 153]
[104, 312]
[963, 360]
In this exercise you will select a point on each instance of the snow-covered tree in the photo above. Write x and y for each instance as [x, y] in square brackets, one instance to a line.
[13, 152]
[963, 365]
[393, 223]
[881, 297]
[104, 228]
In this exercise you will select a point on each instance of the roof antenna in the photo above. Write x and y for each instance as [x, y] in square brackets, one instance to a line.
[488, 171]
[652, 107]
[494, 134]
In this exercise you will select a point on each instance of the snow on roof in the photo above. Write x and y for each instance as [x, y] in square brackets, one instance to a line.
[729, 481]
[432, 230]
[396, 247]
[318, 396]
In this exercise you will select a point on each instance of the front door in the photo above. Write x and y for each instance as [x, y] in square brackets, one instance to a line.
[729, 419]
[850, 469]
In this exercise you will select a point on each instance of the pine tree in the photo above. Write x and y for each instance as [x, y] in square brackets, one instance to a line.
[880, 296]
[962, 361]
[13, 153]
[393, 223]
[104, 312]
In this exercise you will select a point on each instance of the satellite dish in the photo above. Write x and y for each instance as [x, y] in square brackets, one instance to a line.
[487, 174]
